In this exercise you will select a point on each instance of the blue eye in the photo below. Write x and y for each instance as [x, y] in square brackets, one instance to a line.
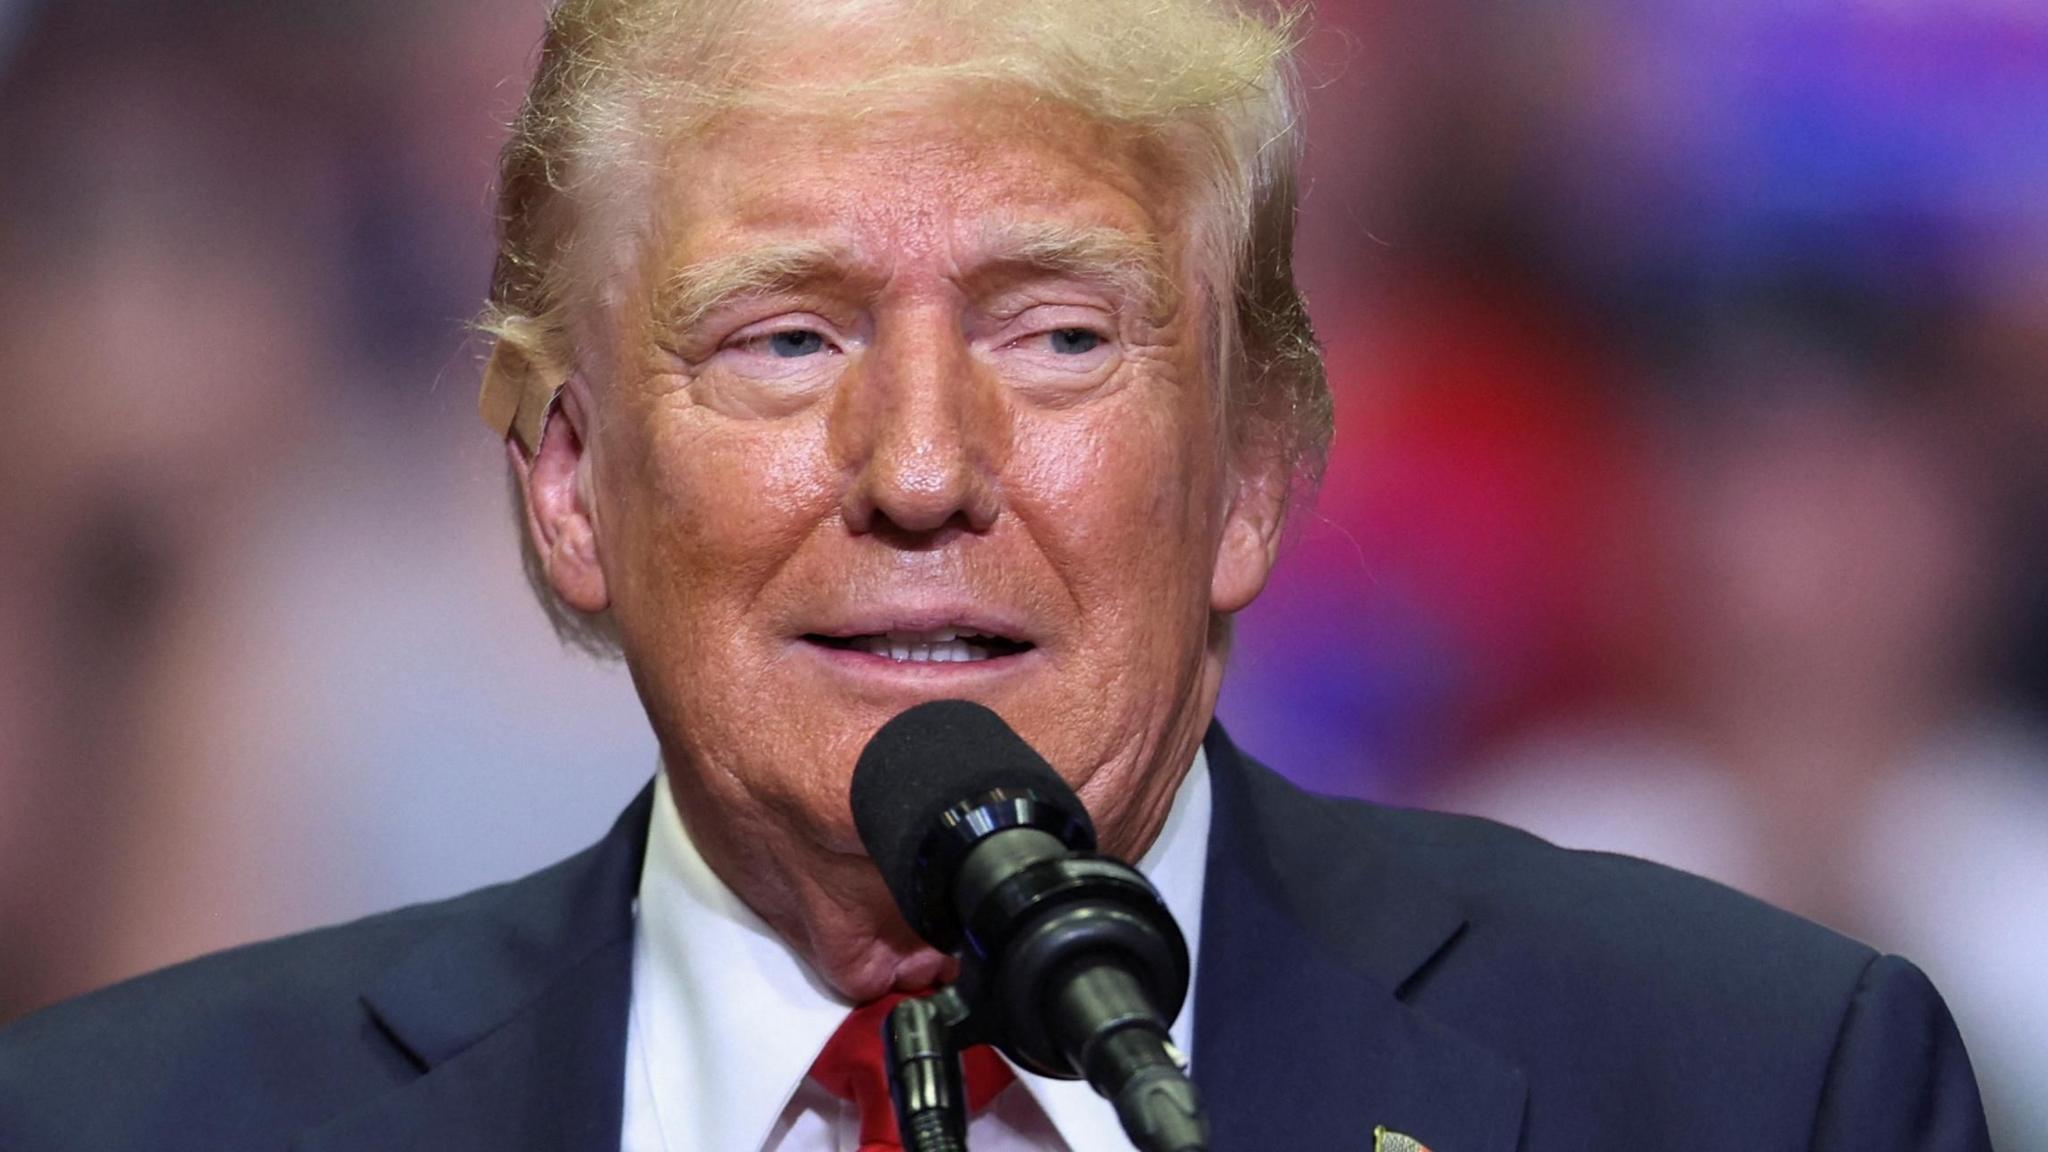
[796, 343]
[1074, 341]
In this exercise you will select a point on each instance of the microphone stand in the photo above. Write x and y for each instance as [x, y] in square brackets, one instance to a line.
[1031, 983]
[925, 1035]
[924, 1071]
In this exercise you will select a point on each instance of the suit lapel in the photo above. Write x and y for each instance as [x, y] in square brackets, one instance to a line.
[1309, 937]
[516, 1016]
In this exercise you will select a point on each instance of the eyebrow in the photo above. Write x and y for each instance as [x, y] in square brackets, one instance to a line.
[686, 296]
[1133, 267]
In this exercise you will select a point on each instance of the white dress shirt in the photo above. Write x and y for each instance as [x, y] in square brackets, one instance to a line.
[725, 1020]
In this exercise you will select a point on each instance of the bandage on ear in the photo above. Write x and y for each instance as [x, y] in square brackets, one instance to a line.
[516, 398]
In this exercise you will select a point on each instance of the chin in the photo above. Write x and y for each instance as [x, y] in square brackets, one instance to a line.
[885, 969]
[923, 970]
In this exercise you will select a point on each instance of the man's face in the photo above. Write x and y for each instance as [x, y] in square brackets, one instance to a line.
[917, 410]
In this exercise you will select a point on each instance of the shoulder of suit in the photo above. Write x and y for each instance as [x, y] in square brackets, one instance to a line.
[1505, 873]
[1626, 920]
[211, 1040]
[1636, 1001]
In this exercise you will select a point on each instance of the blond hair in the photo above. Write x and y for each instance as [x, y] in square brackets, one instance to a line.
[620, 81]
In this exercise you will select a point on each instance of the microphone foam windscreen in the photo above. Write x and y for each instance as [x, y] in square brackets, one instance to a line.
[924, 761]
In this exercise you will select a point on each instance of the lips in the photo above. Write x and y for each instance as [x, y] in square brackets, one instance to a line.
[922, 632]
[947, 644]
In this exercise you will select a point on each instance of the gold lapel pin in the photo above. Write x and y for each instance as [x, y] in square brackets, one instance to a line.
[1387, 1140]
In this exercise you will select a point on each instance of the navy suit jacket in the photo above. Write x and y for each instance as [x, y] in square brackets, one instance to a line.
[1446, 977]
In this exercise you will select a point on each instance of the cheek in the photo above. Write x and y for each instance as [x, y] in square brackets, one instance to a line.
[708, 508]
[1123, 499]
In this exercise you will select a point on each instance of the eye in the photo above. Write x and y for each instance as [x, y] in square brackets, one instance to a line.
[786, 344]
[1074, 341]
[794, 343]
[1054, 351]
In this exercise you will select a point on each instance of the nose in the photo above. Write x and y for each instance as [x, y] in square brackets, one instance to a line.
[921, 430]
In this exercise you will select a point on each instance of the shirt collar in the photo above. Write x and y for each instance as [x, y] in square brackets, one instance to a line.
[726, 1013]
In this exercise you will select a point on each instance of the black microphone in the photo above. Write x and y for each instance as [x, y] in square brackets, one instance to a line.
[1071, 963]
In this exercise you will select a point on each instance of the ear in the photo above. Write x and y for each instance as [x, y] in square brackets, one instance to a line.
[1250, 542]
[561, 506]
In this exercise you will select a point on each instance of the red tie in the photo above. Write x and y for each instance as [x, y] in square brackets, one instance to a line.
[851, 1068]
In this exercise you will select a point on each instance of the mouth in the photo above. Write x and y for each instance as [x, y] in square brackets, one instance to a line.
[926, 646]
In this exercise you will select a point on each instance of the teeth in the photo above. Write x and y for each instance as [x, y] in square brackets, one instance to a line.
[921, 651]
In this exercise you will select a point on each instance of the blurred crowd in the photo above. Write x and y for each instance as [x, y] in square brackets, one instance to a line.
[1689, 496]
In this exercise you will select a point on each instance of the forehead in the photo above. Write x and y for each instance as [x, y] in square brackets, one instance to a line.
[909, 179]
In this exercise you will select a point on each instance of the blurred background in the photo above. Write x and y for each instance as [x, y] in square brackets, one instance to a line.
[1689, 499]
